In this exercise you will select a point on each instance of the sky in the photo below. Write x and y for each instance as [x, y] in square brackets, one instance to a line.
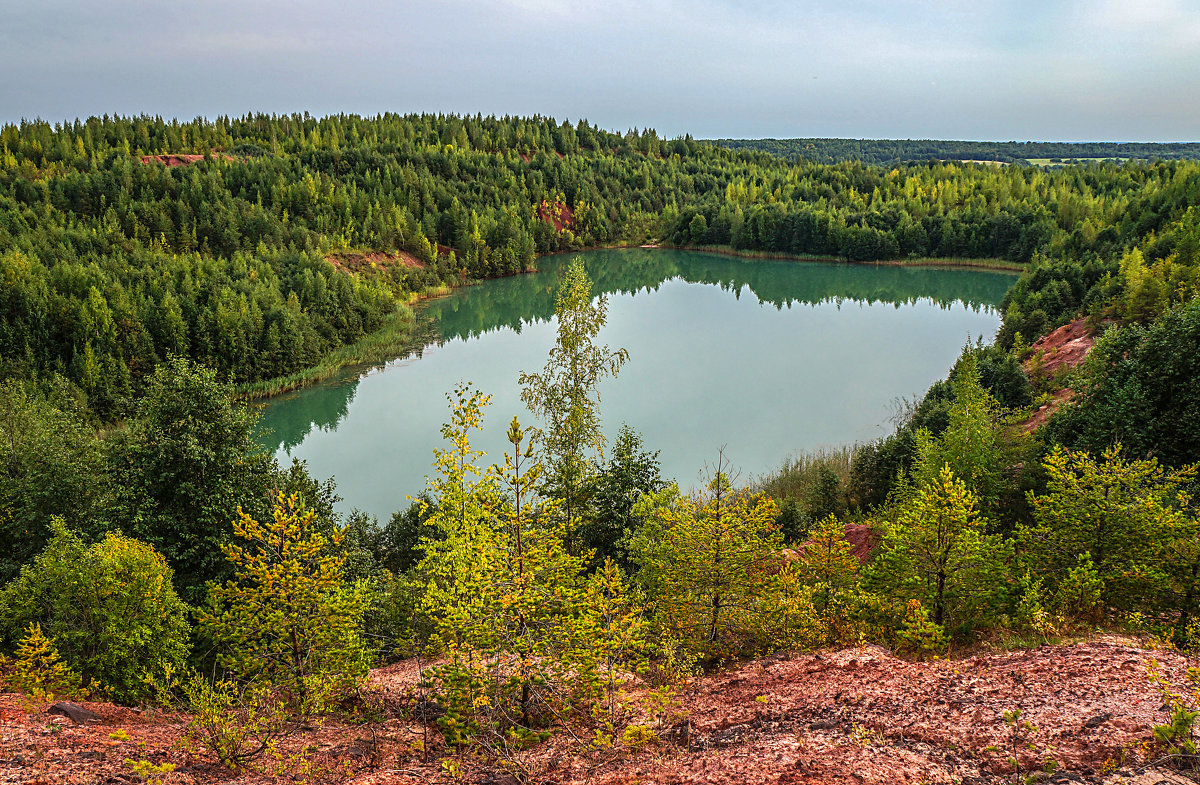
[1062, 70]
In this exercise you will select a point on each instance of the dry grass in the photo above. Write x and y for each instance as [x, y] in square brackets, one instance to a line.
[797, 478]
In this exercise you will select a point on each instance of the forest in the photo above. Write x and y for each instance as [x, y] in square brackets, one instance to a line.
[888, 152]
[158, 556]
[114, 261]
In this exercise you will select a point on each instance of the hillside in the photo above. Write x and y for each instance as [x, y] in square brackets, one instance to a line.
[1046, 489]
[855, 715]
[126, 240]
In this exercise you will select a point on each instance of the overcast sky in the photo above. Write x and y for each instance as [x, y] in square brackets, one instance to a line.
[1025, 69]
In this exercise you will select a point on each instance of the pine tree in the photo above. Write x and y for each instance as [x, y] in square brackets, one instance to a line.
[503, 591]
[1124, 517]
[704, 562]
[970, 445]
[936, 551]
[39, 671]
[526, 637]
[612, 634]
[827, 564]
[287, 618]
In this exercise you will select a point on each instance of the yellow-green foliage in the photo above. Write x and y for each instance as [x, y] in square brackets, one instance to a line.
[146, 771]
[1020, 745]
[788, 617]
[237, 725]
[1030, 614]
[1151, 289]
[527, 637]
[564, 395]
[1111, 533]
[39, 672]
[638, 736]
[918, 635]
[288, 618]
[970, 444]
[706, 563]
[613, 631]
[109, 607]
[937, 552]
[1078, 594]
[831, 569]
[1178, 735]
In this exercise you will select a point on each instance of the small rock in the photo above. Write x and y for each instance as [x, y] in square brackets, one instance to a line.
[729, 736]
[74, 711]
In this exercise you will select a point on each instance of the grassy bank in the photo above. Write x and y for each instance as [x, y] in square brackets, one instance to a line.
[392, 338]
[924, 261]
[397, 336]
[799, 477]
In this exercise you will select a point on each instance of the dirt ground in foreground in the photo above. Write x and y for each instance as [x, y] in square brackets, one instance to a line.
[851, 716]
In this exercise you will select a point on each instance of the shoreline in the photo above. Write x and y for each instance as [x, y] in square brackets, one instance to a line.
[949, 263]
[398, 330]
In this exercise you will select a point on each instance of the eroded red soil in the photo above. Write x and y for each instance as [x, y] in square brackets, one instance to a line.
[856, 715]
[1066, 347]
[1057, 352]
[557, 214]
[357, 262]
[179, 159]
[862, 540]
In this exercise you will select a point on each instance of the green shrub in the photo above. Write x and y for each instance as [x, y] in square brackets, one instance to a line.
[1177, 736]
[1079, 593]
[236, 725]
[146, 771]
[918, 635]
[109, 607]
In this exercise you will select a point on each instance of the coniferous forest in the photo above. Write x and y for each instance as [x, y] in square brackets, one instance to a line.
[151, 272]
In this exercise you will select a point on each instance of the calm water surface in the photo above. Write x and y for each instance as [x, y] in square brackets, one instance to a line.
[765, 358]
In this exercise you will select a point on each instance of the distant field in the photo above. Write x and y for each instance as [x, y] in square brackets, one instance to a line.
[1076, 160]
[893, 151]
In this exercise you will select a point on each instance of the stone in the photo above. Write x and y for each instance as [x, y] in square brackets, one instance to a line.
[74, 711]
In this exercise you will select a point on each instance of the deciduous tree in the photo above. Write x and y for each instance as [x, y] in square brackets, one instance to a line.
[565, 396]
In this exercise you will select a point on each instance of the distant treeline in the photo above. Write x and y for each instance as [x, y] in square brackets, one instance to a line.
[886, 152]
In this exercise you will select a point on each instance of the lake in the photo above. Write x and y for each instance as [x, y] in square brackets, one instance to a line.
[764, 358]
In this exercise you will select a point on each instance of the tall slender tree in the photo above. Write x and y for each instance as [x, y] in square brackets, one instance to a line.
[565, 395]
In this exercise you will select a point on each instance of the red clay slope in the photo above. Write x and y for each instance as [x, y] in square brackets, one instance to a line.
[863, 716]
[1062, 349]
[852, 716]
[179, 159]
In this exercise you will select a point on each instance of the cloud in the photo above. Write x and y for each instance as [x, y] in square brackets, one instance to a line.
[709, 67]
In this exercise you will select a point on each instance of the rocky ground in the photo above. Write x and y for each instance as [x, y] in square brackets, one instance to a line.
[1053, 355]
[851, 716]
